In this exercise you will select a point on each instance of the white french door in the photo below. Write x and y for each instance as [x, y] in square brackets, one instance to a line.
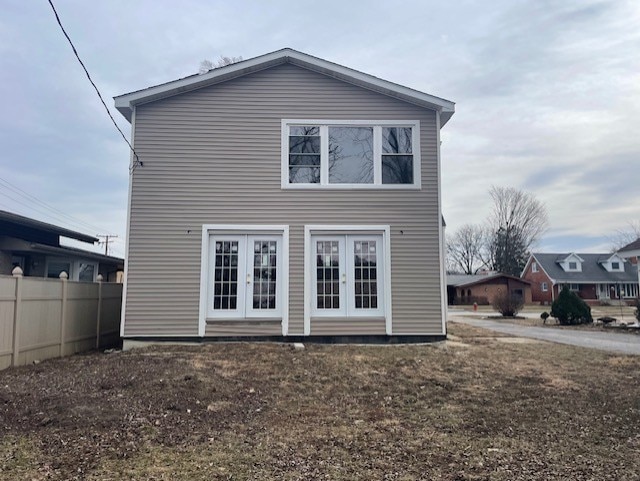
[348, 276]
[244, 279]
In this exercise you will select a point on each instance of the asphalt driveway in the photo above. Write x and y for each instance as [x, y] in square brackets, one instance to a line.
[605, 341]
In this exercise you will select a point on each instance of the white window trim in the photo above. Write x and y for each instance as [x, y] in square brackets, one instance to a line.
[383, 230]
[544, 287]
[534, 267]
[377, 154]
[243, 229]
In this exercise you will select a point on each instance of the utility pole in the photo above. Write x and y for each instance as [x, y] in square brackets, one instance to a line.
[107, 239]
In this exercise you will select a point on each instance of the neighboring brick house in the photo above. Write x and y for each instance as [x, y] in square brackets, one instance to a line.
[594, 277]
[482, 288]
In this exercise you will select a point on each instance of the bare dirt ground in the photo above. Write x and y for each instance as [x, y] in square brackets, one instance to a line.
[472, 409]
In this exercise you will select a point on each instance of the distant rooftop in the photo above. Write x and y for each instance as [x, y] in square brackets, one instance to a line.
[632, 246]
[10, 221]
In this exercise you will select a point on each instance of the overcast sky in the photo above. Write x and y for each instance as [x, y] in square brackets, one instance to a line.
[547, 94]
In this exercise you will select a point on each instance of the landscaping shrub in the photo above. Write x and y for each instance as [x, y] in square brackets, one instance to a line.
[507, 304]
[569, 309]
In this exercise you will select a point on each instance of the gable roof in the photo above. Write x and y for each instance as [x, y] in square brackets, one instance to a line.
[569, 255]
[126, 102]
[459, 280]
[592, 270]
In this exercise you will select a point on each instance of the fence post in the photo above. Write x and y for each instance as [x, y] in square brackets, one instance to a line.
[63, 315]
[17, 273]
[99, 311]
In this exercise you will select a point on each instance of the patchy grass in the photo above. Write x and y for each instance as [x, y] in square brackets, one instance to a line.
[474, 409]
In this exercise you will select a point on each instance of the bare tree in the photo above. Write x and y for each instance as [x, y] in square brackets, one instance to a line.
[465, 249]
[625, 236]
[517, 222]
[223, 61]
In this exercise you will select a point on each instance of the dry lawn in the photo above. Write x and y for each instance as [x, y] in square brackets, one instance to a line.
[476, 409]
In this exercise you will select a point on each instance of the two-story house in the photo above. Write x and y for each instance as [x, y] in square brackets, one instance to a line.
[284, 196]
[594, 277]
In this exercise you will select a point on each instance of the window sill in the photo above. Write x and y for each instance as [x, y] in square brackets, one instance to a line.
[349, 318]
[226, 320]
[351, 187]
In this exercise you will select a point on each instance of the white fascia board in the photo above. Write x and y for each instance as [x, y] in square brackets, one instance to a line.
[124, 103]
[628, 254]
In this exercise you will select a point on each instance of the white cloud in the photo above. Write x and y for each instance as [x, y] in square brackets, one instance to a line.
[547, 93]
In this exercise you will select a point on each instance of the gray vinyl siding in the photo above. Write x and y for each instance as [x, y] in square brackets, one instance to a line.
[212, 156]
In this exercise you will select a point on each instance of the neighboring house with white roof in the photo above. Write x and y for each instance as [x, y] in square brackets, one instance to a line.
[632, 252]
[594, 277]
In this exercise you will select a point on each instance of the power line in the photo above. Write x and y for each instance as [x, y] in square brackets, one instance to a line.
[75, 52]
[31, 198]
[49, 214]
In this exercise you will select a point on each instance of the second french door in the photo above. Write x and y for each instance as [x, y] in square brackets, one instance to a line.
[348, 276]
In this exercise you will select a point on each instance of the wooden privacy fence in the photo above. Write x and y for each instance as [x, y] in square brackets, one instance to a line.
[45, 318]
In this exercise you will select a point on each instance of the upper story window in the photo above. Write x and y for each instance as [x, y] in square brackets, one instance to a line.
[573, 266]
[534, 267]
[615, 266]
[350, 154]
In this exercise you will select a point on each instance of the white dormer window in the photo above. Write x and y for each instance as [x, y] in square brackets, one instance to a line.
[613, 264]
[571, 263]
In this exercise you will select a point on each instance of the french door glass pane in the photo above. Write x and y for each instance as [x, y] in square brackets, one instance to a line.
[264, 274]
[225, 285]
[328, 274]
[365, 274]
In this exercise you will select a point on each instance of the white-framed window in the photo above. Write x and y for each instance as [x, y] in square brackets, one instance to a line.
[244, 273]
[574, 287]
[350, 154]
[615, 266]
[79, 270]
[545, 287]
[573, 266]
[55, 267]
[534, 267]
[347, 273]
